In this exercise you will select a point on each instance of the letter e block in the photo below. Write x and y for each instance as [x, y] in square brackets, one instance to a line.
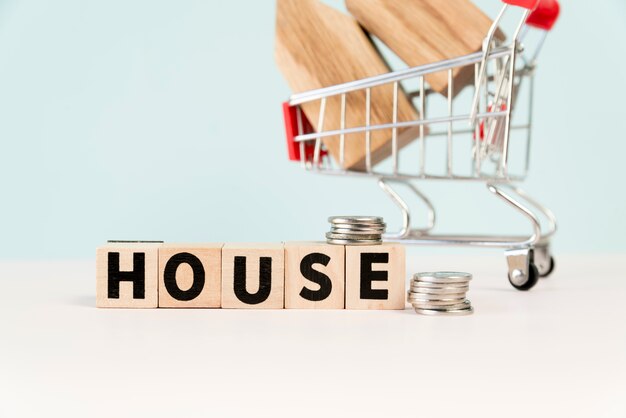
[253, 276]
[190, 276]
[375, 277]
[127, 275]
[314, 275]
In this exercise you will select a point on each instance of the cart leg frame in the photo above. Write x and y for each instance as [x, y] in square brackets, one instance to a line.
[528, 257]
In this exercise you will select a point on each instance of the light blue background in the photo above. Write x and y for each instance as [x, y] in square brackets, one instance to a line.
[153, 119]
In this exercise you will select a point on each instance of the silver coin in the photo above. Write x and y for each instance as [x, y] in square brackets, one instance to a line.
[444, 283]
[434, 296]
[353, 236]
[460, 303]
[446, 295]
[437, 302]
[360, 226]
[439, 285]
[436, 312]
[346, 227]
[381, 227]
[439, 291]
[438, 298]
[356, 220]
[441, 303]
[443, 277]
[442, 311]
[359, 232]
[353, 242]
[374, 237]
[454, 307]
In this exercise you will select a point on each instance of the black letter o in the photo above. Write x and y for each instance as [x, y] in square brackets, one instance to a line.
[169, 276]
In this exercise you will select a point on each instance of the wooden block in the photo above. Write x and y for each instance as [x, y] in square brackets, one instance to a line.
[426, 31]
[375, 277]
[314, 275]
[253, 276]
[127, 275]
[317, 46]
[190, 275]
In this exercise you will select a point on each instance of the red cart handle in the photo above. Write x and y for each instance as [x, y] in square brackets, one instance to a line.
[545, 15]
[526, 4]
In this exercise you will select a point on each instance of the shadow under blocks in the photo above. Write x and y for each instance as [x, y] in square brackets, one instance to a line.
[293, 275]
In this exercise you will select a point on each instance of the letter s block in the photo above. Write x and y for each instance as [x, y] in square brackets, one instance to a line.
[127, 275]
[375, 277]
[253, 276]
[190, 275]
[314, 275]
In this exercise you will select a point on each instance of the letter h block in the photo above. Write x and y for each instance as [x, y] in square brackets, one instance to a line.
[127, 275]
[253, 276]
[375, 277]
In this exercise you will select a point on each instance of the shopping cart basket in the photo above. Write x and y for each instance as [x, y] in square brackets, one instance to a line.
[490, 127]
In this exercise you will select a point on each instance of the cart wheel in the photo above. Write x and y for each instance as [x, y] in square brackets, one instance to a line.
[549, 270]
[529, 283]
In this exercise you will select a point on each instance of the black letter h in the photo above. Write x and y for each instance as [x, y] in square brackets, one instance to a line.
[137, 276]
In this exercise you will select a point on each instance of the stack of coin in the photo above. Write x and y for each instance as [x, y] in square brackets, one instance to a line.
[356, 230]
[442, 293]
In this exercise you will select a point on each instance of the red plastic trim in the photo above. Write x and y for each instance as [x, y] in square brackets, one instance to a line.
[481, 132]
[291, 130]
[526, 4]
[290, 114]
[545, 15]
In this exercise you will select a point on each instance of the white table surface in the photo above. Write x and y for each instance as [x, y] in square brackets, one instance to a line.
[559, 350]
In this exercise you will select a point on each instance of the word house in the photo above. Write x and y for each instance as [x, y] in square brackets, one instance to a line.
[293, 275]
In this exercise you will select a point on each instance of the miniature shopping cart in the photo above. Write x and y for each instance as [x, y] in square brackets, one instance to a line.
[495, 128]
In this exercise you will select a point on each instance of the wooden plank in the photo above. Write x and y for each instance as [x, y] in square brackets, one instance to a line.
[127, 275]
[317, 46]
[253, 276]
[190, 276]
[426, 31]
[375, 277]
[314, 275]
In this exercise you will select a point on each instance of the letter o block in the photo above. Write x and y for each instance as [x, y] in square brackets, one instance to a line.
[127, 275]
[314, 275]
[375, 277]
[253, 276]
[190, 276]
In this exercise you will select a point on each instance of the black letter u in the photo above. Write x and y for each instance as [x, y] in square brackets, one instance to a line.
[265, 281]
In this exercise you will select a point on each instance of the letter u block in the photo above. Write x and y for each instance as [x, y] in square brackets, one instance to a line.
[127, 275]
[253, 276]
[375, 277]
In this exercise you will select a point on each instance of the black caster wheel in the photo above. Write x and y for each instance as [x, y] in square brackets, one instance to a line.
[550, 269]
[530, 282]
